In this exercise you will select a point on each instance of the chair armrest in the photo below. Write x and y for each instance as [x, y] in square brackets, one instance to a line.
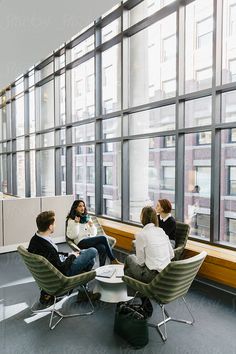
[72, 245]
[178, 252]
[136, 285]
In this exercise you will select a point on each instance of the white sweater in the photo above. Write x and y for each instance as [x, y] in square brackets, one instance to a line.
[76, 231]
[153, 248]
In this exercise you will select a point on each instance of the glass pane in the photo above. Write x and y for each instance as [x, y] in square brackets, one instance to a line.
[82, 94]
[46, 107]
[111, 128]
[19, 86]
[60, 100]
[156, 179]
[111, 30]
[20, 143]
[32, 174]
[46, 173]
[111, 79]
[45, 140]
[32, 111]
[155, 120]
[59, 61]
[20, 173]
[82, 48]
[31, 78]
[228, 42]
[153, 62]
[44, 72]
[112, 180]
[197, 186]
[145, 9]
[228, 188]
[83, 133]
[63, 170]
[229, 107]
[198, 112]
[19, 107]
[3, 175]
[84, 172]
[32, 141]
[198, 49]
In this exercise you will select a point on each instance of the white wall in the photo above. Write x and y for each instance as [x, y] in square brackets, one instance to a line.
[31, 30]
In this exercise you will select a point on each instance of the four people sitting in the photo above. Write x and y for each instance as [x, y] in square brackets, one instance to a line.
[153, 246]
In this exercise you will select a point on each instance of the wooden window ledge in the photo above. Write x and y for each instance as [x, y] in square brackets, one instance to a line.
[219, 265]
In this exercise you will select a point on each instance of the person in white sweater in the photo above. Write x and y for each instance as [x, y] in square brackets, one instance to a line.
[80, 229]
[153, 251]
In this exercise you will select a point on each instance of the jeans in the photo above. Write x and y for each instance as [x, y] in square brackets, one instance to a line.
[84, 262]
[102, 246]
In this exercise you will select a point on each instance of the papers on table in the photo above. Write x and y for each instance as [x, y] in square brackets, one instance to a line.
[105, 273]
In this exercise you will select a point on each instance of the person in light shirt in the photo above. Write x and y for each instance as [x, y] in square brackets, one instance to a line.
[80, 229]
[153, 251]
[165, 219]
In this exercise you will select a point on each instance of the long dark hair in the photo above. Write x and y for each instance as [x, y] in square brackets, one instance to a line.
[73, 212]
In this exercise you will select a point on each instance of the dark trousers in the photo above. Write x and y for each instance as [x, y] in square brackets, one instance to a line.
[102, 246]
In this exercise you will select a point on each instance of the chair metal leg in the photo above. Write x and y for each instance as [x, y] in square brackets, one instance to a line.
[167, 318]
[54, 312]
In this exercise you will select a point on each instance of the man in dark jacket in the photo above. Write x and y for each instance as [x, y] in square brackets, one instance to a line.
[67, 263]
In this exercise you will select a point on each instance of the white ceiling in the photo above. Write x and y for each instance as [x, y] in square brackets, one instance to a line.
[30, 30]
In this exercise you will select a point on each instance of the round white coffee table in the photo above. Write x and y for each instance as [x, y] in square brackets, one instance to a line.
[112, 289]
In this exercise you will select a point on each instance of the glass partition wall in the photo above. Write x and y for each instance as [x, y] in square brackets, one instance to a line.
[139, 106]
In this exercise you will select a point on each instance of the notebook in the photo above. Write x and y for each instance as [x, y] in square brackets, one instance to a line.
[105, 273]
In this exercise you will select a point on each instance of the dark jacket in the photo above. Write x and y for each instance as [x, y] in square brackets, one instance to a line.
[169, 226]
[44, 248]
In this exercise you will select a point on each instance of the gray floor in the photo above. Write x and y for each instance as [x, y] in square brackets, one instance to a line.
[21, 332]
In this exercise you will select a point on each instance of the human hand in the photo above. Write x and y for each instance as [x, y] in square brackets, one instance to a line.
[76, 253]
[90, 222]
[77, 219]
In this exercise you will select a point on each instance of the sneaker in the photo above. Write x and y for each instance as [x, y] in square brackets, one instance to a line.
[81, 297]
[115, 261]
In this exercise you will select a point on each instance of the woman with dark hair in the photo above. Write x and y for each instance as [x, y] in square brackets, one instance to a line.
[153, 252]
[165, 219]
[80, 229]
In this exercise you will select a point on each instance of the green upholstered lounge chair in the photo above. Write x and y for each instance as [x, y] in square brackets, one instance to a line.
[181, 237]
[100, 231]
[53, 282]
[170, 284]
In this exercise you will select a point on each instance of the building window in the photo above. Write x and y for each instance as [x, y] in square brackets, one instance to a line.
[203, 179]
[169, 48]
[232, 69]
[90, 174]
[108, 175]
[169, 141]
[90, 203]
[232, 180]
[168, 178]
[203, 138]
[232, 19]
[232, 135]
[231, 230]
[79, 174]
[204, 33]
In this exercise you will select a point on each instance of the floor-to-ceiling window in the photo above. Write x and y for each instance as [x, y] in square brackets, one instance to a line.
[139, 106]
